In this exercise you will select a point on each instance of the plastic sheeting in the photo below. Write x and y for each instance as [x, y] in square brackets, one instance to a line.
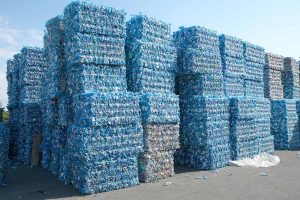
[261, 160]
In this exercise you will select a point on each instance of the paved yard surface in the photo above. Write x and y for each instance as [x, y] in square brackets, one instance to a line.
[282, 182]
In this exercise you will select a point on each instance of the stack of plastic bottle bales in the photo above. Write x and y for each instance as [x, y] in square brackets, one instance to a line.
[204, 111]
[54, 116]
[233, 66]
[254, 57]
[244, 142]
[249, 111]
[32, 68]
[290, 79]
[105, 137]
[272, 76]
[242, 119]
[285, 124]
[281, 81]
[151, 68]
[13, 91]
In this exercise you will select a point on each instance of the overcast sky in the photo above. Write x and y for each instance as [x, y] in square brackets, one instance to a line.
[272, 24]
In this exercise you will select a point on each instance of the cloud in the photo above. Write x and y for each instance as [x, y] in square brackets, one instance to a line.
[12, 39]
[15, 38]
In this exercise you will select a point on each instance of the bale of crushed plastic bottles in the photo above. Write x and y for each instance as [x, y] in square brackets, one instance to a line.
[285, 124]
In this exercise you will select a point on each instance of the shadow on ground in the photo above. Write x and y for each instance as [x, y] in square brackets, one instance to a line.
[34, 184]
[179, 169]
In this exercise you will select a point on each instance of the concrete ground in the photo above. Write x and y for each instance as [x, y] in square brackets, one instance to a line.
[282, 182]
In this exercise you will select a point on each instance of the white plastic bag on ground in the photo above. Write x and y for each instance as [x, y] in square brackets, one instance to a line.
[261, 160]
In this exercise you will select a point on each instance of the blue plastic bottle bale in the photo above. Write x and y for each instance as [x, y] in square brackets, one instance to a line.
[94, 49]
[95, 109]
[150, 55]
[234, 87]
[231, 46]
[93, 175]
[197, 37]
[201, 158]
[254, 89]
[254, 71]
[106, 141]
[204, 135]
[254, 53]
[285, 124]
[85, 17]
[204, 108]
[233, 67]
[266, 144]
[92, 78]
[159, 108]
[147, 80]
[147, 29]
[30, 74]
[291, 64]
[246, 149]
[203, 61]
[198, 84]
[263, 108]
